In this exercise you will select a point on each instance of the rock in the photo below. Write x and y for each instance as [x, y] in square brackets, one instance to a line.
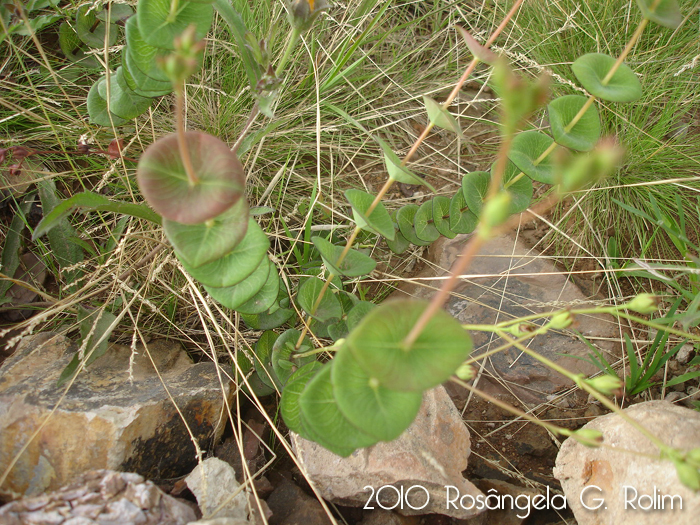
[104, 421]
[33, 272]
[431, 454]
[685, 353]
[292, 506]
[220, 521]
[213, 482]
[387, 517]
[506, 280]
[511, 514]
[631, 480]
[101, 497]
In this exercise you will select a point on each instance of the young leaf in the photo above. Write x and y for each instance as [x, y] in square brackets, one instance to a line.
[354, 264]
[480, 52]
[202, 243]
[234, 296]
[404, 218]
[475, 187]
[396, 170]
[265, 298]
[423, 223]
[164, 181]
[320, 413]
[380, 412]
[284, 362]
[591, 71]
[462, 220]
[144, 55]
[308, 294]
[93, 202]
[584, 135]
[441, 216]
[237, 264]
[666, 13]
[159, 25]
[441, 117]
[377, 344]
[526, 151]
[289, 402]
[97, 107]
[378, 222]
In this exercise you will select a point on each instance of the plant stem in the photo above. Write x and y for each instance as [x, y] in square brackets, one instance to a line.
[626, 51]
[251, 118]
[181, 140]
[291, 44]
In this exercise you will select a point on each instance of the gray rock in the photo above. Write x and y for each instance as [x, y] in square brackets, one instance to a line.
[630, 482]
[387, 517]
[218, 494]
[292, 506]
[431, 453]
[507, 280]
[117, 498]
[105, 420]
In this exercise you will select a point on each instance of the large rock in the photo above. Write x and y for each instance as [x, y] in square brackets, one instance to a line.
[100, 497]
[507, 280]
[634, 489]
[105, 420]
[431, 453]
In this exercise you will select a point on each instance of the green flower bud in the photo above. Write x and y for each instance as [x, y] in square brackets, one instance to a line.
[560, 321]
[644, 303]
[495, 212]
[689, 476]
[694, 456]
[606, 384]
[588, 437]
[589, 168]
[465, 372]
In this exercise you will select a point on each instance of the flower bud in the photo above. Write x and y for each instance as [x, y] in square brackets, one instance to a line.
[495, 212]
[465, 372]
[560, 320]
[605, 384]
[303, 13]
[688, 475]
[644, 303]
[588, 437]
[589, 168]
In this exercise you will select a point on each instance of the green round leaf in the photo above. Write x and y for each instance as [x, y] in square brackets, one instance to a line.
[206, 242]
[145, 56]
[475, 187]
[399, 245]
[462, 220]
[164, 182]
[423, 223]
[585, 133]
[263, 357]
[234, 296]
[358, 313]
[115, 13]
[283, 362]
[91, 31]
[338, 330]
[404, 218]
[72, 47]
[123, 102]
[97, 107]
[354, 264]
[380, 412]
[377, 344]
[273, 318]
[520, 190]
[525, 153]
[667, 13]
[289, 403]
[139, 82]
[265, 298]
[260, 389]
[591, 70]
[238, 264]
[160, 24]
[308, 294]
[378, 222]
[320, 413]
[441, 216]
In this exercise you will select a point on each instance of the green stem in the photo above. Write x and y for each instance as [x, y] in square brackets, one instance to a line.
[288, 51]
[181, 140]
